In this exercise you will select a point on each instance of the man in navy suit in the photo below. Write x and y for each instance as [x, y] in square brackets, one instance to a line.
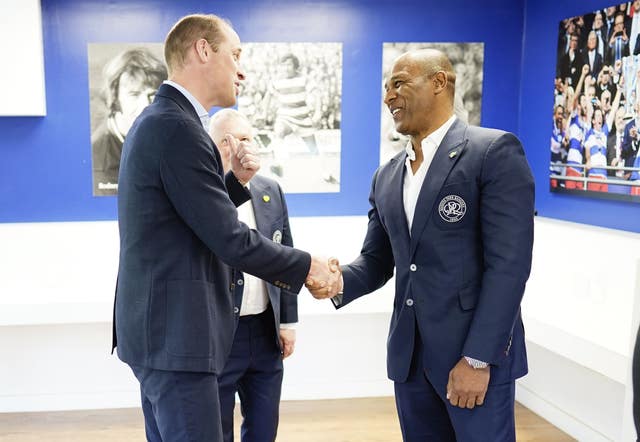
[179, 237]
[453, 215]
[592, 57]
[619, 41]
[264, 333]
[631, 140]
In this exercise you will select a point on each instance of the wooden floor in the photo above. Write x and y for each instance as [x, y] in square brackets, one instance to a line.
[345, 420]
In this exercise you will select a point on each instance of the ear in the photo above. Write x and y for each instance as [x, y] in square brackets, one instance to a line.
[203, 50]
[439, 81]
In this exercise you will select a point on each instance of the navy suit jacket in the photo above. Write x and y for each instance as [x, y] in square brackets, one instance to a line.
[629, 144]
[179, 233]
[461, 271]
[272, 220]
[597, 65]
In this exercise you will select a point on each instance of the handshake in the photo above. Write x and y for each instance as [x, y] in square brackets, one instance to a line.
[325, 278]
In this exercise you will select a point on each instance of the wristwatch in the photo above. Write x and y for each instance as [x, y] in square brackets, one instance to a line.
[476, 364]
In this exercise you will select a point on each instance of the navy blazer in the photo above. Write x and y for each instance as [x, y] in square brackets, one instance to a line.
[179, 233]
[461, 271]
[272, 220]
[629, 144]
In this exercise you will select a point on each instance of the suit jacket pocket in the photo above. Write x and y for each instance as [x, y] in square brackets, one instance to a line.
[190, 319]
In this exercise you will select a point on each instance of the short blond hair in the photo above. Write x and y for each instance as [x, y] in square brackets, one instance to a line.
[186, 31]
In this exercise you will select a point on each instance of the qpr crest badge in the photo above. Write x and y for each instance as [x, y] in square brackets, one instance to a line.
[277, 236]
[452, 208]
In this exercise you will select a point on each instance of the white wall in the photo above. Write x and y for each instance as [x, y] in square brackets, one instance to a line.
[579, 317]
[56, 297]
[22, 85]
[580, 312]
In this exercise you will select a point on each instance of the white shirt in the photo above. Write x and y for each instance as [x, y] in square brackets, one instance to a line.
[255, 297]
[254, 294]
[200, 110]
[413, 183]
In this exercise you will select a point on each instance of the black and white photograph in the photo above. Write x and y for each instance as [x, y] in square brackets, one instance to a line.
[123, 79]
[467, 60]
[292, 97]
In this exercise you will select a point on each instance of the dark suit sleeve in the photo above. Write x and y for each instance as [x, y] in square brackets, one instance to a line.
[506, 223]
[626, 150]
[611, 150]
[373, 268]
[238, 193]
[288, 300]
[189, 175]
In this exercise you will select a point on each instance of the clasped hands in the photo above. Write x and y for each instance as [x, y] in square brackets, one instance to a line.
[325, 278]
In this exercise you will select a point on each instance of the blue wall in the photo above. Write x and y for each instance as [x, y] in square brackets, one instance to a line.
[45, 163]
[536, 106]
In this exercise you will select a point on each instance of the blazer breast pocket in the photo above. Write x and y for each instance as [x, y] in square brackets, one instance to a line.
[455, 206]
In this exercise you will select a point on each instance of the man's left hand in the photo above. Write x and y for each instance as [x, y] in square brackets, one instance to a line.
[467, 386]
[245, 161]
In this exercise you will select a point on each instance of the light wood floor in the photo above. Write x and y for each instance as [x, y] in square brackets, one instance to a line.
[345, 420]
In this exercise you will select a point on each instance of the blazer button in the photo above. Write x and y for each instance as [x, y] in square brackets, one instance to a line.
[413, 267]
[236, 310]
[240, 282]
[409, 302]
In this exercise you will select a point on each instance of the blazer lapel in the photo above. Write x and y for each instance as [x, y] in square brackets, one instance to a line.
[260, 207]
[396, 200]
[447, 154]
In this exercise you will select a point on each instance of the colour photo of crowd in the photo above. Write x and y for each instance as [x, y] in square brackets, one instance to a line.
[594, 140]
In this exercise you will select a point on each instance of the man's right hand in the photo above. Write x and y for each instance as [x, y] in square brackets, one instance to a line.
[325, 278]
[244, 159]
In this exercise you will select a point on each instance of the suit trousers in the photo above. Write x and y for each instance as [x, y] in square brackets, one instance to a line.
[179, 406]
[254, 370]
[426, 416]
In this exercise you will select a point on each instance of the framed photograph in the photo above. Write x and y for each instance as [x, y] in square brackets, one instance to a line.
[292, 96]
[467, 60]
[123, 80]
[594, 139]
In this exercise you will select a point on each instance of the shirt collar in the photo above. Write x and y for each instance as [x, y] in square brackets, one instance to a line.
[435, 138]
[199, 108]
